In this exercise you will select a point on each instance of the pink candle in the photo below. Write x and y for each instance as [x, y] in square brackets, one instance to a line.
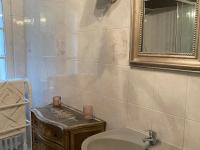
[56, 101]
[88, 111]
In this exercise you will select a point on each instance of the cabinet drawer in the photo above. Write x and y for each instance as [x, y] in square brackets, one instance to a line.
[41, 144]
[48, 131]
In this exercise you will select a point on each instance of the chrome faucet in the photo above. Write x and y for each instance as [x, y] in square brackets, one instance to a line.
[152, 138]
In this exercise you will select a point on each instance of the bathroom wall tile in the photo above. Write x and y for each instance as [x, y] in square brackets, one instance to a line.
[78, 74]
[118, 120]
[97, 101]
[49, 67]
[19, 47]
[119, 43]
[192, 136]
[52, 34]
[118, 10]
[170, 129]
[28, 12]
[42, 95]
[138, 118]
[48, 45]
[86, 82]
[34, 75]
[34, 40]
[80, 46]
[78, 15]
[63, 80]
[114, 113]
[69, 92]
[92, 17]
[9, 34]
[85, 45]
[17, 7]
[95, 14]
[193, 103]
[141, 87]
[171, 92]
[7, 10]
[51, 16]
[112, 82]
[92, 45]
[75, 67]
[104, 50]
[75, 103]
[70, 47]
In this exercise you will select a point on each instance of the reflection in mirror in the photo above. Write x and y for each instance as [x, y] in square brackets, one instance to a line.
[168, 26]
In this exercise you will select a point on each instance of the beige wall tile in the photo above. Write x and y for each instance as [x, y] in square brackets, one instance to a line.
[19, 47]
[17, 8]
[114, 113]
[116, 11]
[141, 87]
[119, 43]
[138, 118]
[193, 102]
[192, 136]
[171, 93]
[170, 129]
[112, 82]
[91, 45]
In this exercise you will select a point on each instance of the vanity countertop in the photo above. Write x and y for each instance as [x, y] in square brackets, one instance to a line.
[65, 116]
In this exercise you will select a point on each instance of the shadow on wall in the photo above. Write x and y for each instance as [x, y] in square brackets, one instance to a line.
[93, 10]
[102, 7]
[98, 8]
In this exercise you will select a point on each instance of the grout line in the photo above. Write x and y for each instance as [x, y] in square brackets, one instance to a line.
[127, 98]
[95, 62]
[102, 27]
[185, 113]
[150, 109]
[196, 121]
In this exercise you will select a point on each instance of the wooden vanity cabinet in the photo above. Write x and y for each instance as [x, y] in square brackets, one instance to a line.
[62, 128]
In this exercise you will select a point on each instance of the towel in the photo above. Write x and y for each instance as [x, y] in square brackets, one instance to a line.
[15, 97]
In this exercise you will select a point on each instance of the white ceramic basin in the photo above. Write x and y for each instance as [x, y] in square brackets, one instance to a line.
[121, 139]
[112, 144]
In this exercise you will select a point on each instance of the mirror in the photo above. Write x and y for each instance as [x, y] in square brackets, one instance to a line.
[168, 26]
[165, 34]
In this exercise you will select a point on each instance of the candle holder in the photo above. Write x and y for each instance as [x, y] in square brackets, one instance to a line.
[88, 111]
[57, 101]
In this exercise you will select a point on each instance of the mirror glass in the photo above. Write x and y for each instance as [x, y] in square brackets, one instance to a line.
[168, 26]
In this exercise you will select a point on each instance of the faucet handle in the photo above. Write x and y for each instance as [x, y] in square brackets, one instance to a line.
[151, 133]
[152, 138]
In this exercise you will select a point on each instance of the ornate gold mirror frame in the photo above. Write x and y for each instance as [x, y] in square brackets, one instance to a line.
[184, 62]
